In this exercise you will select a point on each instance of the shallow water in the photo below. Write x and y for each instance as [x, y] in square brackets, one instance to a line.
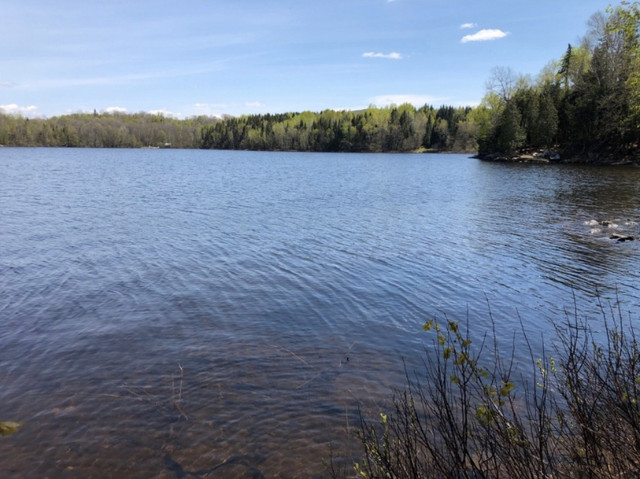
[165, 312]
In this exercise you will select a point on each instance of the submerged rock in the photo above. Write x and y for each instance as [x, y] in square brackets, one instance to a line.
[621, 238]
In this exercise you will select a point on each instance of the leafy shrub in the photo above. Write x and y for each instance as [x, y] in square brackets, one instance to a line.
[575, 415]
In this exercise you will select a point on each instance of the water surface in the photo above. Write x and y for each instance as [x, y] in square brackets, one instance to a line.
[164, 311]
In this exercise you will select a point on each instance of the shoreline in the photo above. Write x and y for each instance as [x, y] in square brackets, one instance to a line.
[524, 158]
[527, 158]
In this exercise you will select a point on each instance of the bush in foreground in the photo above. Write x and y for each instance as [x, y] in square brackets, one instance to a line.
[575, 415]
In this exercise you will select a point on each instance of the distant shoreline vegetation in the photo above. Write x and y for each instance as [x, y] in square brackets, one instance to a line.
[584, 106]
[391, 129]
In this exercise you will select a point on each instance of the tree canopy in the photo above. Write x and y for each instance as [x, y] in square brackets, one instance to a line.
[103, 130]
[589, 107]
[585, 104]
[395, 128]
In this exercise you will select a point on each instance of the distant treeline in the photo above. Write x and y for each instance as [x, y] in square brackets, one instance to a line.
[585, 104]
[402, 128]
[104, 130]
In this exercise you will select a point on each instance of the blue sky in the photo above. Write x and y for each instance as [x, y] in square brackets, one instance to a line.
[213, 57]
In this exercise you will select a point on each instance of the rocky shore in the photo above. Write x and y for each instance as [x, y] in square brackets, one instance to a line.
[551, 156]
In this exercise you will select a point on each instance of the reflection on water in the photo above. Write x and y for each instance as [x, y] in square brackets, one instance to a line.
[172, 312]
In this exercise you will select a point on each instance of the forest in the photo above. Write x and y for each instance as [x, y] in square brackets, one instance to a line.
[103, 130]
[585, 105]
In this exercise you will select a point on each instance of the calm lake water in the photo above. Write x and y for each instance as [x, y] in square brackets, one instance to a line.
[167, 312]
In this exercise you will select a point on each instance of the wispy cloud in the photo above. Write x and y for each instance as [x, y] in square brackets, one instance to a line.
[48, 83]
[388, 56]
[417, 100]
[125, 79]
[209, 109]
[253, 104]
[484, 35]
[6, 84]
[466, 26]
[14, 109]
[209, 105]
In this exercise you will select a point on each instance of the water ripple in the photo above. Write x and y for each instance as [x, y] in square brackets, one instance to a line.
[195, 307]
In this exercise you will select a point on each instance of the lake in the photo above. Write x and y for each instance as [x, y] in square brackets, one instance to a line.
[165, 312]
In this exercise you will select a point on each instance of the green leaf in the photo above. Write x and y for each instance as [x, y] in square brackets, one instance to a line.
[7, 428]
[506, 388]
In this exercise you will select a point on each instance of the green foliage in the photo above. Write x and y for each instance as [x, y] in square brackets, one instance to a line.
[509, 135]
[576, 414]
[393, 129]
[598, 115]
[565, 66]
[585, 104]
[625, 20]
[103, 131]
[8, 427]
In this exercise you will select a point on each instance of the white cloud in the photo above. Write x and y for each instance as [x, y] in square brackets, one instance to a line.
[14, 109]
[254, 104]
[466, 26]
[166, 113]
[389, 56]
[208, 109]
[351, 108]
[6, 84]
[484, 35]
[471, 103]
[416, 100]
[115, 109]
[208, 106]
